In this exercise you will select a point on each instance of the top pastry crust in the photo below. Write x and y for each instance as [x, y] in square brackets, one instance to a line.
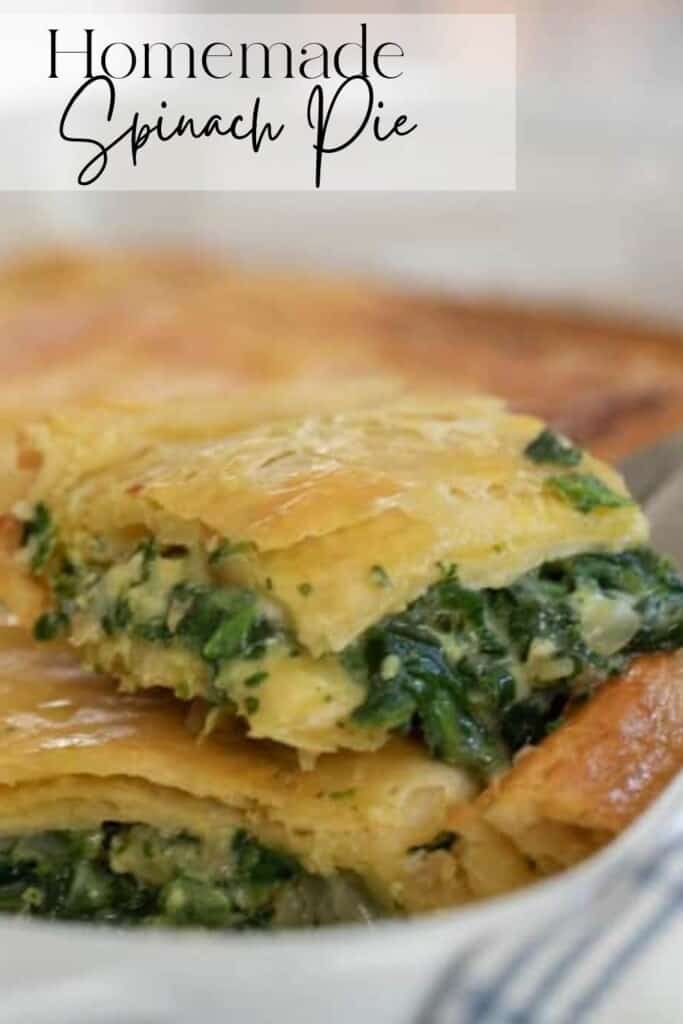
[322, 500]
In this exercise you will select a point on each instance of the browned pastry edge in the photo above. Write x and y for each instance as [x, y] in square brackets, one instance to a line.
[583, 785]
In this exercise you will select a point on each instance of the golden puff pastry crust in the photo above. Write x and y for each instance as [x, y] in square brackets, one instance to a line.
[408, 485]
[75, 752]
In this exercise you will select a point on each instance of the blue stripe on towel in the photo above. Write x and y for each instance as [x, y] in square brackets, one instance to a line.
[559, 969]
[669, 907]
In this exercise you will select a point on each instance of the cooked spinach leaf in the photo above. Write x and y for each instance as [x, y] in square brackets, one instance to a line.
[39, 537]
[527, 721]
[551, 448]
[256, 864]
[218, 622]
[256, 679]
[118, 618]
[50, 625]
[585, 492]
[482, 673]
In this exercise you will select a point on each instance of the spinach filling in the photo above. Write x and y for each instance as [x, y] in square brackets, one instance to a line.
[39, 537]
[482, 673]
[479, 673]
[134, 875]
[166, 596]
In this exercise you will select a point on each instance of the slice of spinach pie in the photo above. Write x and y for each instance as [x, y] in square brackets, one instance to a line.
[439, 567]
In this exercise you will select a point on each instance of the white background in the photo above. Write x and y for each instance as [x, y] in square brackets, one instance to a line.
[455, 81]
[596, 221]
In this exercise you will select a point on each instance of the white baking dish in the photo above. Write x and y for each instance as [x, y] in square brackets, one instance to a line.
[391, 973]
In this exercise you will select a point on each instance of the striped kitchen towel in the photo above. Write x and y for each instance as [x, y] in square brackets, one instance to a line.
[616, 959]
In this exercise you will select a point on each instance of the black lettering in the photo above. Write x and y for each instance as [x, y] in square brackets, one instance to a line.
[378, 55]
[321, 58]
[169, 51]
[207, 55]
[319, 119]
[104, 60]
[266, 51]
[395, 129]
[362, 46]
[98, 163]
[87, 52]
